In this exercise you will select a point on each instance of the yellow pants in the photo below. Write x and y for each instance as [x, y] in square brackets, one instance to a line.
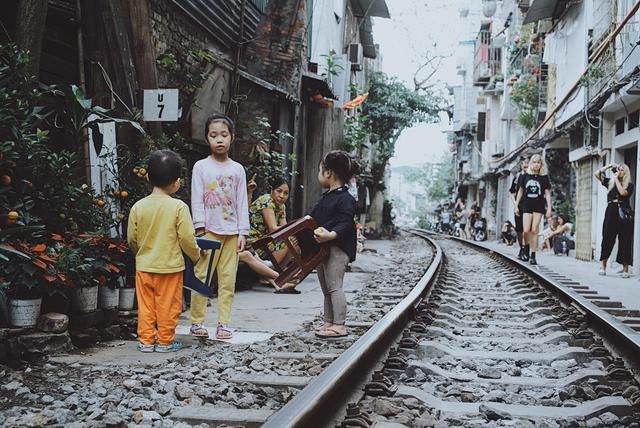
[225, 264]
[159, 305]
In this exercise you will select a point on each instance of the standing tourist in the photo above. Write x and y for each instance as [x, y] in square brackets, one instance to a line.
[618, 218]
[534, 188]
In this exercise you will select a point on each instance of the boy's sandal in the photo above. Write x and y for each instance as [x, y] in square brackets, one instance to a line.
[223, 333]
[330, 333]
[198, 331]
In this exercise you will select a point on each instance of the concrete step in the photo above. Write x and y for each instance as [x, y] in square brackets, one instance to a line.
[215, 416]
[272, 380]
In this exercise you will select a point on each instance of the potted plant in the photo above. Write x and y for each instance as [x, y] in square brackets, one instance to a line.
[109, 267]
[21, 283]
[77, 270]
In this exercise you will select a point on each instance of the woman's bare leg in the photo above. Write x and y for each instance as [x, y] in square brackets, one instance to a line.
[534, 230]
[258, 267]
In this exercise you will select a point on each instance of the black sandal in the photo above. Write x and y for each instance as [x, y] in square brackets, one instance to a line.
[287, 291]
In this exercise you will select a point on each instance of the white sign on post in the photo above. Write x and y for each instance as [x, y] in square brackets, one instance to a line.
[160, 105]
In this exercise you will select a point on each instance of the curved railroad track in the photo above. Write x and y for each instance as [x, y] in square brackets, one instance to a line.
[477, 342]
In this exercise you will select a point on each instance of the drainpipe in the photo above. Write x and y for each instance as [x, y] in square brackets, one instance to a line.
[235, 78]
[86, 158]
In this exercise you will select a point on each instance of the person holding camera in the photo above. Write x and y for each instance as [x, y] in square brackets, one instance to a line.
[618, 218]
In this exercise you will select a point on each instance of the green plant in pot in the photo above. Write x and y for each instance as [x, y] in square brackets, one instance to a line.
[24, 275]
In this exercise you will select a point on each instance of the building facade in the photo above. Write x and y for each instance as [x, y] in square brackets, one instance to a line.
[558, 78]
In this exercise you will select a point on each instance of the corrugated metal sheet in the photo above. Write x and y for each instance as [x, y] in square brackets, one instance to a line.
[545, 9]
[363, 8]
[222, 19]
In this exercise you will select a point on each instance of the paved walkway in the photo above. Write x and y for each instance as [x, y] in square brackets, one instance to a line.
[260, 310]
[257, 314]
[626, 291]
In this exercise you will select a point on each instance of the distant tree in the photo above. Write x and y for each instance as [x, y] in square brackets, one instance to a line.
[390, 109]
[437, 178]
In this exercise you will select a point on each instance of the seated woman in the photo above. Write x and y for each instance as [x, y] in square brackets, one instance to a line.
[547, 234]
[562, 235]
[267, 214]
[508, 233]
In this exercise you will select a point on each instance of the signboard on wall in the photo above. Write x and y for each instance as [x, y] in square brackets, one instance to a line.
[160, 105]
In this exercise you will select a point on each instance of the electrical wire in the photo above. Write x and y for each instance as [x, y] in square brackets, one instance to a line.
[107, 80]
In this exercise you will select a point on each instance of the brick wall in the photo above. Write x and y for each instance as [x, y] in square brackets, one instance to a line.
[278, 53]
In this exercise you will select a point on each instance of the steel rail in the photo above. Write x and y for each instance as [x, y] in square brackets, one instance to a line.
[621, 335]
[327, 394]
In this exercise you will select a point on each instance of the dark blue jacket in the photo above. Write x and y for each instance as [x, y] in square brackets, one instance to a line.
[335, 211]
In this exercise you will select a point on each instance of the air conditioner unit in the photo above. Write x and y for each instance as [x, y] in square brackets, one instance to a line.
[355, 56]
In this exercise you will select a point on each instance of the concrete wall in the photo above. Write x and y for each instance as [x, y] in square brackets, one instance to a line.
[323, 132]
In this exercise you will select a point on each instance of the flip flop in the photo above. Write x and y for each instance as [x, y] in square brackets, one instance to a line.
[330, 333]
[287, 291]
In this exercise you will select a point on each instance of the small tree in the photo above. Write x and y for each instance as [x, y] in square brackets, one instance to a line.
[390, 109]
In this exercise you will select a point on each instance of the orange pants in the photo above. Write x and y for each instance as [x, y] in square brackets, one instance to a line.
[159, 306]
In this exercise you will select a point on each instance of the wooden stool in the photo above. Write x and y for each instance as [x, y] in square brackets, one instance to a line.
[306, 255]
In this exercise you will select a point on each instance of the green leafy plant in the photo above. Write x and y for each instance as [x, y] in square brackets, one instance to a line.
[268, 163]
[594, 73]
[356, 131]
[524, 96]
[331, 66]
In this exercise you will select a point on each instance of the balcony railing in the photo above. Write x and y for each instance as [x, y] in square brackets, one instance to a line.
[488, 59]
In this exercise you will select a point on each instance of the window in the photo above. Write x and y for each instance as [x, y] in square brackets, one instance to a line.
[634, 119]
[620, 126]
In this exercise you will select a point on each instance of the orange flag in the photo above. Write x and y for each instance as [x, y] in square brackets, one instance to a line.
[356, 101]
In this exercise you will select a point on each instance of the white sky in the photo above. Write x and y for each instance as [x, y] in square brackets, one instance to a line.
[414, 27]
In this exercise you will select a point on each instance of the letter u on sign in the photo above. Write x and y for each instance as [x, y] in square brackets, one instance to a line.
[160, 105]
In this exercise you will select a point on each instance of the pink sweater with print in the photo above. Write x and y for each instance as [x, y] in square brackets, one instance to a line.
[219, 197]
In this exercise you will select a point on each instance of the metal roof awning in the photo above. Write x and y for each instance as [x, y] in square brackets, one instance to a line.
[545, 9]
[366, 39]
[314, 83]
[362, 8]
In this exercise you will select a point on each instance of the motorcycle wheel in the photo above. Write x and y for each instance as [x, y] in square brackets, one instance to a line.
[480, 236]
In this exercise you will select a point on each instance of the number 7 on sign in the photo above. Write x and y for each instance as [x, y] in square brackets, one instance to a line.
[160, 105]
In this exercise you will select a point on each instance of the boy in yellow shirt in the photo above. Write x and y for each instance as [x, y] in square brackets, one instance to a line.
[160, 229]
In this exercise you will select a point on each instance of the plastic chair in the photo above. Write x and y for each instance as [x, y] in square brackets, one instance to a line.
[190, 279]
[306, 256]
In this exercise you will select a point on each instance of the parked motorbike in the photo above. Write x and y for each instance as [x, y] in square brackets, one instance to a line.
[480, 230]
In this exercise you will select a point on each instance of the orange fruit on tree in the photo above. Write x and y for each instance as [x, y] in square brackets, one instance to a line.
[136, 170]
[124, 194]
[13, 215]
[6, 180]
[142, 171]
[99, 202]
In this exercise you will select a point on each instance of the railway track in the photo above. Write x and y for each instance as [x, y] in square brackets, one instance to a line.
[477, 342]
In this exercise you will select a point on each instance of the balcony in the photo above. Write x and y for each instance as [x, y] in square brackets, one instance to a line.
[488, 58]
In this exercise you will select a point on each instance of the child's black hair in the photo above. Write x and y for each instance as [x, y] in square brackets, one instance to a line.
[220, 118]
[341, 164]
[564, 217]
[277, 182]
[164, 167]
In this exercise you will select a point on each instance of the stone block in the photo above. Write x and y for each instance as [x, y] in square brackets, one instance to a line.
[111, 332]
[85, 338]
[88, 320]
[53, 322]
[111, 316]
[38, 344]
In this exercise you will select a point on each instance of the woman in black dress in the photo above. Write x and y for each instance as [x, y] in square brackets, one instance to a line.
[618, 182]
[534, 189]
